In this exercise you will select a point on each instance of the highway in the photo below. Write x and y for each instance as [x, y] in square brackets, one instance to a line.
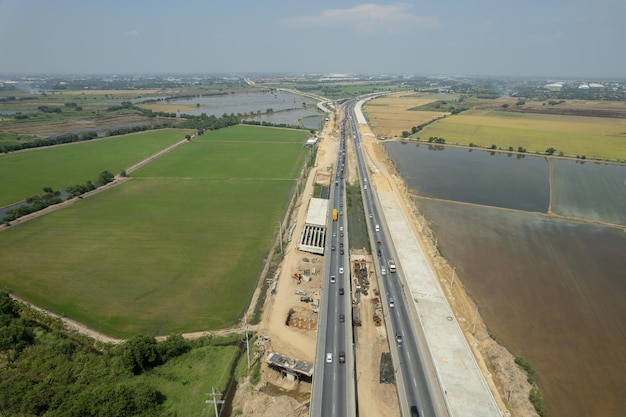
[413, 369]
[334, 388]
[333, 380]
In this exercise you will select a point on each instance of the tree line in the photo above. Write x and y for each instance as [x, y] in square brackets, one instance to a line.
[45, 372]
[49, 197]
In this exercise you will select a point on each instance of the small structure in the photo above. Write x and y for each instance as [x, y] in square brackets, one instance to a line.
[313, 237]
[291, 368]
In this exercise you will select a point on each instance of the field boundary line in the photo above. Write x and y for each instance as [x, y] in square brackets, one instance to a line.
[116, 181]
[549, 215]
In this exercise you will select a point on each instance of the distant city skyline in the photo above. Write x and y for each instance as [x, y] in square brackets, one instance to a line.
[553, 40]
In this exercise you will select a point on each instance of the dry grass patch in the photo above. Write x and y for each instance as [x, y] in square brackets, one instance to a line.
[167, 108]
[390, 115]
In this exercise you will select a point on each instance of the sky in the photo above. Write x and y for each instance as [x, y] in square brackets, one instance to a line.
[549, 38]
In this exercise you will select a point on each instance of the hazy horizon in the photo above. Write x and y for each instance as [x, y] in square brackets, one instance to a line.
[555, 40]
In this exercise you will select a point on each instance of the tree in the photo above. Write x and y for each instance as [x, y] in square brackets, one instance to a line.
[550, 150]
[105, 177]
[405, 134]
[140, 354]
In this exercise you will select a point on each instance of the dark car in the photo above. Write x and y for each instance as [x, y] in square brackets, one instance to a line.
[341, 252]
[342, 318]
[379, 252]
[306, 299]
[414, 412]
[341, 291]
[332, 247]
[342, 357]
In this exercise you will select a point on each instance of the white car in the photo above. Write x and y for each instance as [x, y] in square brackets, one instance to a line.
[341, 270]
[329, 358]
[332, 279]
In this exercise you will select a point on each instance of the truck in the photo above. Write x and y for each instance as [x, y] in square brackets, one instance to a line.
[392, 265]
[335, 214]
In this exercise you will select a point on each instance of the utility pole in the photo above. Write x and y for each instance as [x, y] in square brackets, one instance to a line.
[280, 236]
[452, 283]
[214, 401]
[245, 322]
[474, 323]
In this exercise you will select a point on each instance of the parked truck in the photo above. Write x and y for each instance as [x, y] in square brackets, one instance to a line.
[392, 265]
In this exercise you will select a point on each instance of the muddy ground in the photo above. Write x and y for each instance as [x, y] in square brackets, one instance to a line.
[551, 291]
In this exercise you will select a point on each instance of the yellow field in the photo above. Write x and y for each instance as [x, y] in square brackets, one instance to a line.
[390, 115]
[168, 108]
[594, 137]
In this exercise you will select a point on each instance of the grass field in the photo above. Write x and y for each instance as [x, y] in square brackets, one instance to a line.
[171, 252]
[236, 152]
[187, 379]
[25, 173]
[594, 137]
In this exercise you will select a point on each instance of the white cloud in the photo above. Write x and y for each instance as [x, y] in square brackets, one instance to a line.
[370, 18]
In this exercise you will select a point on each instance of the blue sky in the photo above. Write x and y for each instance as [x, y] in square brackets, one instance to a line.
[546, 38]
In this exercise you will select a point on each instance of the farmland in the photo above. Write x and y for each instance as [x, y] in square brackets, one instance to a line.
[62, 166]
[175, 249]
[593, 137]
[391, 115]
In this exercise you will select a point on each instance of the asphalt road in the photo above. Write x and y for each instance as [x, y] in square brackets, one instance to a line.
[412, 365]
[333, 392]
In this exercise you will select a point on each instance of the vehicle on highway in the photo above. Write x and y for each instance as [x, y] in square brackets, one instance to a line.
[399, 338]
[378, 228]
[342, 357]
[341, 291]
[379, 252]
[371, 216]
[341, 270]
[414, 412]
[342, 318]
[341, 228]
[341, 244]
[329, 358]
[332, 247]
[391, 302]
[333, 279]
[341, 252]
[383, 270]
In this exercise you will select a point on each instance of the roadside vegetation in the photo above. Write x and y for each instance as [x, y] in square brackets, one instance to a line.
[47, 370]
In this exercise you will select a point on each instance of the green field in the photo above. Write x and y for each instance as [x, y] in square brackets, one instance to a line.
[171, 252]
[208, 159]
[594, 137]
[246, 133]
[186, 380]
[25, 173]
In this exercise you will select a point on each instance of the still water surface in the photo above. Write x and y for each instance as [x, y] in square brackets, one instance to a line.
[474, 176]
